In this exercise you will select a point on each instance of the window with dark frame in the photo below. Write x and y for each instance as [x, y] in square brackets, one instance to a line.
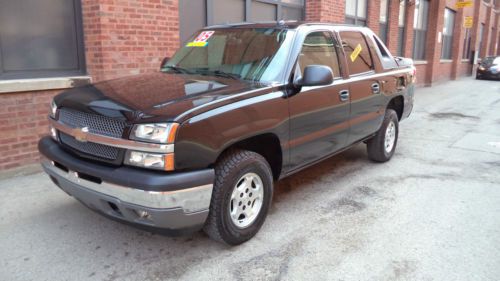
[384, 10]
[401, 27]
[420, 28]
[195, 14]
[466, 47]
[355, 12]
[40, 39]
[356, 50]
[449, 23]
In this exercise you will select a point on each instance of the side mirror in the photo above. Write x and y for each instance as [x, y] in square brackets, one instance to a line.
[164, 61]
[316, 75]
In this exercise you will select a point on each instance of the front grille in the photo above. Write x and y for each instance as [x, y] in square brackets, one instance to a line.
[97, 124]
[91, 150]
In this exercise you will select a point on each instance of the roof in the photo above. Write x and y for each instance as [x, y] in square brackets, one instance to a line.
[275, 24]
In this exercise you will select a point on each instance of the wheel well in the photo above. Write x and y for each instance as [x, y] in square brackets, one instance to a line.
[397, 104]
[267, 145]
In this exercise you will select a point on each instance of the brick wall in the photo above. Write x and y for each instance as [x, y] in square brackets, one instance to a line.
[421, 72]
[23, 120]
[393, 30]
[373, 15]
[325, 11]
[125, 37]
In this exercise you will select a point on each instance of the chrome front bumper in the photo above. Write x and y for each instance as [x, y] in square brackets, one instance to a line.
[173, 203]
[189, 200]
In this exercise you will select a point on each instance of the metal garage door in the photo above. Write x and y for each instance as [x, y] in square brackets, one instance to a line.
[194, 14]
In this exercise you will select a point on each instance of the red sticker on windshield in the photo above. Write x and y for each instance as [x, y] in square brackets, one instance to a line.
[204, 36]
[201, 40]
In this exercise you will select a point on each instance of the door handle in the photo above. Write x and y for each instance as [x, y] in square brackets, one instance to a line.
[376, 88]
[344, 95]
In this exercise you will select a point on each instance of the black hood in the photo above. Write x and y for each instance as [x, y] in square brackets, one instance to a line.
[154, 97]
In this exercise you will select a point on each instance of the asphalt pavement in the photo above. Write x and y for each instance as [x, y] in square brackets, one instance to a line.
[431, 213]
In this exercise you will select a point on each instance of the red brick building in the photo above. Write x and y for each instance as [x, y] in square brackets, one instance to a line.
[47, 46]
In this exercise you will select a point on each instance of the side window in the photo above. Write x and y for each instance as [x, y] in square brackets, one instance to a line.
[356, 51]
[319, 48]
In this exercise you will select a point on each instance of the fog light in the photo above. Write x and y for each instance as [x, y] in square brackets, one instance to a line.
[143, 214]
[53, 133]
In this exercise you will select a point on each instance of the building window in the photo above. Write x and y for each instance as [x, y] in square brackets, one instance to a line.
[357, 52]
[481, 34]
[384, 9]
[355, 12]
[41, 38]
[466, 48]
[195, 14]
[449, 23]
[420, 28]
[401, 27]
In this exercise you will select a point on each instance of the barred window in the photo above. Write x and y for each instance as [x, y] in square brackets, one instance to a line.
[401, 27]
[420, 28]
[384, 9]
[355, 12]
[41, 38]
[466, 48]
[195, 14]
[449, 22]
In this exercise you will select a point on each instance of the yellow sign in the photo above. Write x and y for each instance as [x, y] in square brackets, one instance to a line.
[468, 22]
[196, 44]
[355, 53]
[463, 4]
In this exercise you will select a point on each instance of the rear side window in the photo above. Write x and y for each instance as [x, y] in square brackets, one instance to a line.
[357, 53]
[319, 48]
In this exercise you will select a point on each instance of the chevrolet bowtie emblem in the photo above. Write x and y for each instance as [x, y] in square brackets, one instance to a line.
[80, 134]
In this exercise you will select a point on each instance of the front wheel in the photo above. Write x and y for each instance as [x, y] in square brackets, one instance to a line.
[241, 197]
[382, 146]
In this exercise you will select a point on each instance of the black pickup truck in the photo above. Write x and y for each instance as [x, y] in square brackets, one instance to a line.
[199, 144]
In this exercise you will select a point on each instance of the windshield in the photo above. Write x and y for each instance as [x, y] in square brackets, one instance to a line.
[490, 60]
[256, 54]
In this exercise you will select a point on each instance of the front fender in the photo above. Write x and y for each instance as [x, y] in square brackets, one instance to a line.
[201, 139]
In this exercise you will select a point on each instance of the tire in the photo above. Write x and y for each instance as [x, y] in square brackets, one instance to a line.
[478, 77]
[232, 176]
[378, 149]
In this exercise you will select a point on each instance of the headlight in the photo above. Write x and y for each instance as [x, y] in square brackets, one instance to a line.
[150, 160]
[53, 109]
[156, 133]
[481, 68]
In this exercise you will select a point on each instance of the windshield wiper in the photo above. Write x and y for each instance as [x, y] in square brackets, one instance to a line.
[177, 69]
[220, 74]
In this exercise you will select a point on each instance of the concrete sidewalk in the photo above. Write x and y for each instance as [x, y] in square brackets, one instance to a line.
[431, 213]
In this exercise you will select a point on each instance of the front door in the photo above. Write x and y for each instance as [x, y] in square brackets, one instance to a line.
[319, 115]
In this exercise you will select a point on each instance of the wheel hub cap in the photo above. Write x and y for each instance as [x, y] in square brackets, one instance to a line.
[390, 137]
[246, 200]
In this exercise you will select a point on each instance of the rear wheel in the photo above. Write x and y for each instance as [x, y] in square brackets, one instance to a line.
[382, 146]
[241, 197]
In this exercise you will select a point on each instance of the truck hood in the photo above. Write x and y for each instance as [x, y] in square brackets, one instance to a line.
[158, 97]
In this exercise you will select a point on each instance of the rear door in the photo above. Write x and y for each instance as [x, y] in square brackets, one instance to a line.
[364, 88]
[318, 115]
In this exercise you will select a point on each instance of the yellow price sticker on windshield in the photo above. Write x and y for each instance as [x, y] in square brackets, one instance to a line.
[356, 52]
[197, 44]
